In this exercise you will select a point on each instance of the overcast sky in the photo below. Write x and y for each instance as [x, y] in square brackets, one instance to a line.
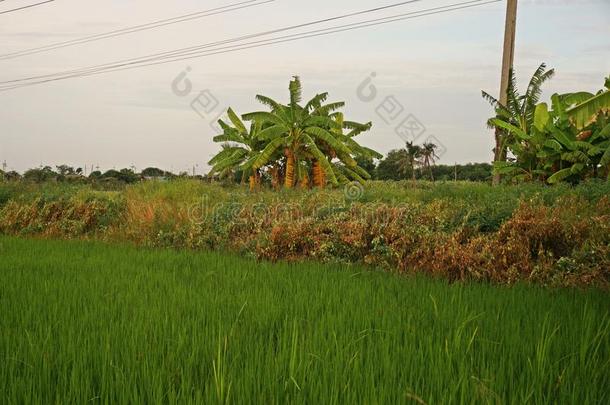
[434, 67]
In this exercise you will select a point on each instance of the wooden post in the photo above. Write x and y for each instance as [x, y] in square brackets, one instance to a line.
[508, 58]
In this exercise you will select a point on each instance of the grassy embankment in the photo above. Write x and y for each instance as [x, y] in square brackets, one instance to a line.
[461, 231]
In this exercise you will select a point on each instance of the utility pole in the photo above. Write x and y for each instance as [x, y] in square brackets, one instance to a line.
[508, 57]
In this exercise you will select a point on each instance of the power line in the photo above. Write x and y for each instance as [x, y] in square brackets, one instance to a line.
[8, 56]
[136, 28]
[111, 34]
[257, 44]
[287, 38]
[24, 7]
[226, 41]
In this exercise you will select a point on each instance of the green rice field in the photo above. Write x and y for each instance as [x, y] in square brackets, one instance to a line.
[85, 322]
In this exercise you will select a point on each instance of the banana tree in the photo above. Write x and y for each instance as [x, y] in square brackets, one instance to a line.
[297, 131]
[241, 147]
[344, 171]
[600, 138]
[584, 107]
[554, 149]
[327, 112]
[294, 143]
[584, 149]
[518, 112]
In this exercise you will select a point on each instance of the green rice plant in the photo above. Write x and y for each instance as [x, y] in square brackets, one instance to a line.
[221, 385]
[89, 322]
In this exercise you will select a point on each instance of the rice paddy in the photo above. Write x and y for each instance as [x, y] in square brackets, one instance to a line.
[86, 322]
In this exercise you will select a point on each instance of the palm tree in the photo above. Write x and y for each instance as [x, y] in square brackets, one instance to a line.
[429, 156]
[297, 131]
[414, 153]
[403, 163]
[408, 158]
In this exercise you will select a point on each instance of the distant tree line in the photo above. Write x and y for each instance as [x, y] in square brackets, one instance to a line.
[395, 166]
[417, 162]
[392, 167]
[65, 173]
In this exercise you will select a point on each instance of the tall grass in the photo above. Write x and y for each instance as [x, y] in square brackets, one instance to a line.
[84, 322]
